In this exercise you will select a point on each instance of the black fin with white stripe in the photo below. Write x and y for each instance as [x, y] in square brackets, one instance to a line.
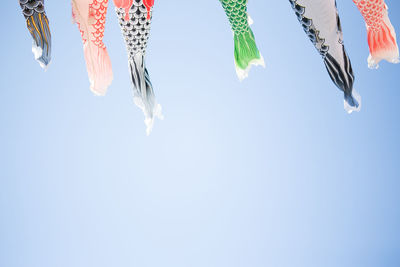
[143, 93]
[343, 77]
[38, 26]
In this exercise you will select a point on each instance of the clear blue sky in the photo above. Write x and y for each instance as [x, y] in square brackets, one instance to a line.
[267, 172]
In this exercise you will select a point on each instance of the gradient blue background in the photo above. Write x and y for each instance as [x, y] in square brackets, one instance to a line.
[267, 172]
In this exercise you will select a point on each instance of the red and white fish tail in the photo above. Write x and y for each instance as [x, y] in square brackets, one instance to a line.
[90, 19]
[99, 68]
[382, 42]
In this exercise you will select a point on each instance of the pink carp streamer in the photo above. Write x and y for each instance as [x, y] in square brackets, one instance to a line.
[381, 34]
[90, 15]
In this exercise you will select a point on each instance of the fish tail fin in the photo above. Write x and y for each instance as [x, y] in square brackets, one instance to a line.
[38, 26]
[343, 78]
[246, 53]
[382, 43]
[352, 102]
[143, 94]
[98, 63]
[99, 68]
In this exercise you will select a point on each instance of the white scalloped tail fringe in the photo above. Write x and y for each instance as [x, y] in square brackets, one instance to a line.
[37, 53]
[250, 20]
[373, 62]
[349, 109]
[149, 120]
[244, 73]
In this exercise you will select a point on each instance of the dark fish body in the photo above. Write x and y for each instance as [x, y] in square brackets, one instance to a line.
[38, 25]
[135, 20]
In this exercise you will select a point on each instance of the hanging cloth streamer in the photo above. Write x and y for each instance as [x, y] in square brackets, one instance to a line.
[135, 19]
[320, 21]
[90, 16]
[38, 25]
[380, 31]
[246, 52]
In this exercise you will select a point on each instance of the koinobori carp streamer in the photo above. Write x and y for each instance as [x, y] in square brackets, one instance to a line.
[90, 15]
[321, 23]
[38, 25]
[135, 20]
[381, 34]
[246, 52]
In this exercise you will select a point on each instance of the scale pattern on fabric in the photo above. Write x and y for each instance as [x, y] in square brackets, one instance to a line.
[246, 52]
[320, 21]
[309, 28]
[135, 20]
[90, 16]
[381, 33]
[136, 29]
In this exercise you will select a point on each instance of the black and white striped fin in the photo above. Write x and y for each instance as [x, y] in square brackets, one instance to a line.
[143, 93]
[343, 77]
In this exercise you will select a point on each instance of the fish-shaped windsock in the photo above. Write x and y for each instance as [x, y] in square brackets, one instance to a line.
[381, 34]
[90, 15]
[38, 25]
[135, 19]
[246, 52]
[321, 23]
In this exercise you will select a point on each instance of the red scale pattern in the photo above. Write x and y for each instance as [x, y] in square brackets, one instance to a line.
[127, 4]
[372, 11]
[148, 4]
[98, 10]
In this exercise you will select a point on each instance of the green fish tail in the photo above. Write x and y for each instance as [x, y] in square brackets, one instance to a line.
[245, 49]
[246, 53]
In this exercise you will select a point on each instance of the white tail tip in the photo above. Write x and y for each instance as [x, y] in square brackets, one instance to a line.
[244, 73]
[349, 109]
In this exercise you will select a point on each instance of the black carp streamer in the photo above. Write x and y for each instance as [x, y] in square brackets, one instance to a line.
[135, 18]
[38, 25]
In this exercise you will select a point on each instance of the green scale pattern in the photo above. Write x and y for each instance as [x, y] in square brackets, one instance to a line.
[236, 10]
[245, 46]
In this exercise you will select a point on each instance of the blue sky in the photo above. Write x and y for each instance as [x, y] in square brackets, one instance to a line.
[267, 172]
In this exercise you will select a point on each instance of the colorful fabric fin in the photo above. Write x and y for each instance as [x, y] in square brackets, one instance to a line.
[246, 53]
[90, 16]
[380, 31]
[38, 25]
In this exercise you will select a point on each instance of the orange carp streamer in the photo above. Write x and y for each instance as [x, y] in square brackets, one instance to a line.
[381, 34]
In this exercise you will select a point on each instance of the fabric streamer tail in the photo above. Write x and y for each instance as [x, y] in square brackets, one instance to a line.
[246, 53]
[91, 25]
[352, 102]
[344, 80]
[38, 26]
[382, 43]
[143, 93]
[99, 68]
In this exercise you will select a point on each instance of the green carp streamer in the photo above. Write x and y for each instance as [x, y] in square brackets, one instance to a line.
[246, 51]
